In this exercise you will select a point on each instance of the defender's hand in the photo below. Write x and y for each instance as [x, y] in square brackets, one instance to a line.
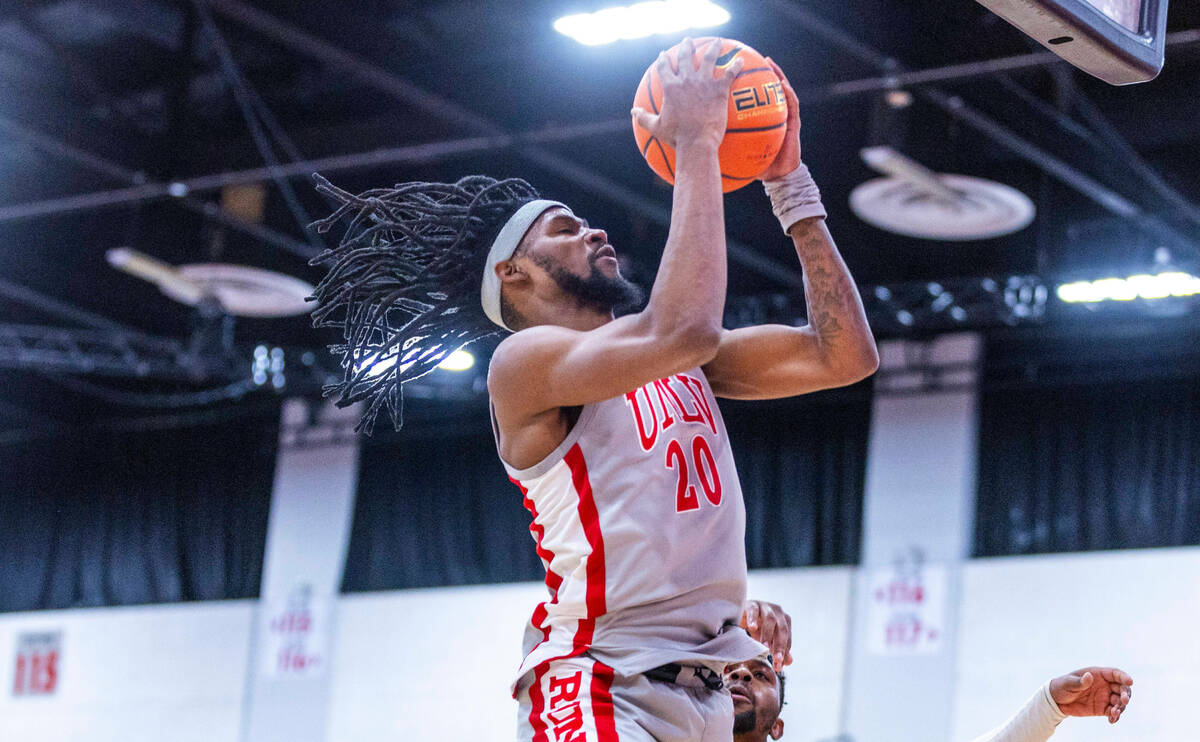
[771, 625]
[1093, 691]
[695, 105]
[788, 158]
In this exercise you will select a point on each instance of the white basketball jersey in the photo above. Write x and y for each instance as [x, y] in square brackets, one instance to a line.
[639, 521]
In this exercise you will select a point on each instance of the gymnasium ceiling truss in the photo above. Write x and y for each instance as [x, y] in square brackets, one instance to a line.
[451, 112]
[103, 347]
[109, 349]
[493, 137]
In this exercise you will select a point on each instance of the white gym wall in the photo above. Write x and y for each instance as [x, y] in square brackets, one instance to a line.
[435, 664]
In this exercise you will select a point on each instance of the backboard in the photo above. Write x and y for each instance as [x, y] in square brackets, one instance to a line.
[1118, 41]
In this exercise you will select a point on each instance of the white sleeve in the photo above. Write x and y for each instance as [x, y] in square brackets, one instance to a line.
[1034, 723]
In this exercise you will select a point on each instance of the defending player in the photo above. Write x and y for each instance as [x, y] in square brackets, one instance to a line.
[610, 427]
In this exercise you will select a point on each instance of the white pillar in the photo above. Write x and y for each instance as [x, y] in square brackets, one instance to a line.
[918, 516]
[312, 504]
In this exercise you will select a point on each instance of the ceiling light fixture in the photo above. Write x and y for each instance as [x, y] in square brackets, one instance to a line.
[1140, 286]
[640, 20]
[380, 363]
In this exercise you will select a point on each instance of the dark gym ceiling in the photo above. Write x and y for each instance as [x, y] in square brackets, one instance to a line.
[103, 103]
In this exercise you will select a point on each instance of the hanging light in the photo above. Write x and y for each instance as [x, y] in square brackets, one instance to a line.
[640, 20]
[1139, 286]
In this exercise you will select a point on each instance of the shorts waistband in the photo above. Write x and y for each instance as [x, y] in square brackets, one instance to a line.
[691, 676]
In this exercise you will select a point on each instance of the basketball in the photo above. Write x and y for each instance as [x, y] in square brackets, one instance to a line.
[757, 117]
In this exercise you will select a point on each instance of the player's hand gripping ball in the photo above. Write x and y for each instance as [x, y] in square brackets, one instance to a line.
[757, 116]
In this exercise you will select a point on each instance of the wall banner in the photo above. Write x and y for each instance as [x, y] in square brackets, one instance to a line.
[296, 638]
[906, 612]
[38, 661]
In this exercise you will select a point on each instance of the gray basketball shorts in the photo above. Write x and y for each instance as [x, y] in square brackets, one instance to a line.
[580, 699]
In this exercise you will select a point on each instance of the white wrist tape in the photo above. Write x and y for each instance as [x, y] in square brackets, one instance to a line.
[795, 196]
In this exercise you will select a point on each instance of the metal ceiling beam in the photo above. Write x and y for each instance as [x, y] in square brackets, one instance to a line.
[371, 74]
[49, 305]
[900, 78]
[957, 107]
[433, 151]
[416, 153]
[259, 120]
[1058, 169]
[141, 188]
[1130, 158]
[945, 73]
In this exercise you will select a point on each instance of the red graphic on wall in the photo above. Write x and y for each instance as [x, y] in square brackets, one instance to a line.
[295, 648]
[907, 609]
[37, 664]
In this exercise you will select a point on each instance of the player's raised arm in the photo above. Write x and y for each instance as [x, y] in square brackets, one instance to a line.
[563, 357]
[835, 348]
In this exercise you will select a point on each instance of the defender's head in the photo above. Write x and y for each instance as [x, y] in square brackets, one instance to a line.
[549, 266]
[757, 692]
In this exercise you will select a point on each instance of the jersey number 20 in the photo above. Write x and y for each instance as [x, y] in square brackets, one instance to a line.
[706, 470]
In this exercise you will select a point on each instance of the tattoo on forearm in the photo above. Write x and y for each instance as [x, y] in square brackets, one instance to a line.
[828, 289]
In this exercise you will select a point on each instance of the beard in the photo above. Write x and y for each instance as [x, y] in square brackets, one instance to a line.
[597, 291]
[744, 722]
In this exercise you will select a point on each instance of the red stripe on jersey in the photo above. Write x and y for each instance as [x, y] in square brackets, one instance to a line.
[537, 702]
[590, 519]
[553, 580]
[602, 703]
[537, 529]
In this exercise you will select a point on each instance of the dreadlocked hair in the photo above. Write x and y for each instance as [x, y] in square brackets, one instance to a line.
[403, 284]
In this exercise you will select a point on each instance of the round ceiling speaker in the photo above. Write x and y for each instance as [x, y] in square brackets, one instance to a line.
[244, 291]
[978, 209]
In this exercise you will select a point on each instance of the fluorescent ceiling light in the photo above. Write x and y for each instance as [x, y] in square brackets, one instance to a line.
[1141, 286]
[640, 20]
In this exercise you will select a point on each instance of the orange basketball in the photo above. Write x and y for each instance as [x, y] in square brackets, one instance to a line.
[757, 117]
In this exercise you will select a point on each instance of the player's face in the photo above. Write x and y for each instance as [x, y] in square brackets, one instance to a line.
[572, 244]
[579, 260]
[755, 690]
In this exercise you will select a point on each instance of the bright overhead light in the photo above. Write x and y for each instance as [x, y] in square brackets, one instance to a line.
[1141, 286]
[459, 360]
[640, 20]
[380, 363]
[376, 364]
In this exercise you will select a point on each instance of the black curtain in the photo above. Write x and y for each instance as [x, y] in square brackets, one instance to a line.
[802, 464]
[106, 518]
[434, 506]
[1089, 444]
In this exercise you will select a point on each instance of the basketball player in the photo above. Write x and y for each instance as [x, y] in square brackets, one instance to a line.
[758, 693]
[609, 426]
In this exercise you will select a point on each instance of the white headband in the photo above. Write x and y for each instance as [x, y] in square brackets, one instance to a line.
[503, 248]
